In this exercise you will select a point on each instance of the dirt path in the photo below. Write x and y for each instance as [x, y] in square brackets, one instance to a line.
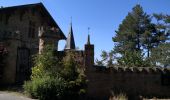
[13, 96]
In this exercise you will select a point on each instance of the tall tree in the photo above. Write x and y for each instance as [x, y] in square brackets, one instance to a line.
[161, 53]
[149, 38]
[155, 33]
[162, 27]
[130, 35]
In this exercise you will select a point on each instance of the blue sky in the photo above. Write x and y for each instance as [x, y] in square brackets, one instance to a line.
[102, 16]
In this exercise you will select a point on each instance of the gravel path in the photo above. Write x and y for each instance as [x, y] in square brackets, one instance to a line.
[12, 96]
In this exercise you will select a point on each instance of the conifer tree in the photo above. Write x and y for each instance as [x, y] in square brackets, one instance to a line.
[129, 36]
[161, 53]
[162, 27]
[137, 36]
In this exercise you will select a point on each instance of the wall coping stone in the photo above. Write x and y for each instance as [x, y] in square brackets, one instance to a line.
[132, 69]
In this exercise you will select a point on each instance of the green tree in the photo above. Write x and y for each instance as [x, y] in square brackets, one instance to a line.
[73, 74]
[139, 34]
[148, 39]
[133, 35]
[107, 59]
[129, 35]
[52, 79]
[161, 55]
[162, 26]
[133, 59]
[99, 62]
[45, 63]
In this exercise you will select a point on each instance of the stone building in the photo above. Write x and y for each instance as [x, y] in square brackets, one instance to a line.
[24, 30]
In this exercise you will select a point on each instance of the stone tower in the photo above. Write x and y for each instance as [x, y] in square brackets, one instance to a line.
[89, 54]
[48, 36]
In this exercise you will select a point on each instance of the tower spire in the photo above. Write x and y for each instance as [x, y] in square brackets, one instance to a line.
[71, 21]
[88, 39]
[89, 53]
[70, 44]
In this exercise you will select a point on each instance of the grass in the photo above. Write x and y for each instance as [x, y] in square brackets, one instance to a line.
[120, 96]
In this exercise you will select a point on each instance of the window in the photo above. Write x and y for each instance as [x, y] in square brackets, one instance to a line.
[31, 32]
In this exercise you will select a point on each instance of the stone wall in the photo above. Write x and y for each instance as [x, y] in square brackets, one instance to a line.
[150, 82]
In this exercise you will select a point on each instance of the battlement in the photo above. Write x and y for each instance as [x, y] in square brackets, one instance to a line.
[132, 69]
[144, 81]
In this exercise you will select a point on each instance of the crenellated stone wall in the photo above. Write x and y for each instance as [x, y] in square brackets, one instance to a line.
[150, 82]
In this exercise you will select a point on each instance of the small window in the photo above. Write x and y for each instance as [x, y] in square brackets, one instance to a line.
[31, 32]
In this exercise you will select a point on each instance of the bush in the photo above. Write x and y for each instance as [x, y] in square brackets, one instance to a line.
[54, 80]
[46, 88]
[74, 77]
[45, 63]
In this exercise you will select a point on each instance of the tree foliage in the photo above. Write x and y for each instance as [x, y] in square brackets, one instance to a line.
[107, 59]
[133, 59]
[133, 35]
[56, 80]
[45, 63]
[161, 55]
[129, 35]
[137, 38]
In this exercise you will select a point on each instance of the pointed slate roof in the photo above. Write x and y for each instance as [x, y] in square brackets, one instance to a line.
[70, 44]
[88, 40]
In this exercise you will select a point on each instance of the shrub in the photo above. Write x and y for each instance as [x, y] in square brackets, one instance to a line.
[54, 80]
[74, 76]
[45, 63]
[46, 88]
